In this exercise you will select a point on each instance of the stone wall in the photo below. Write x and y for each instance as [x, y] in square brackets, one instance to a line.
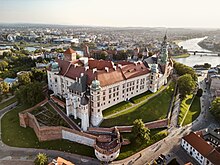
[151, 125]
[46, 133]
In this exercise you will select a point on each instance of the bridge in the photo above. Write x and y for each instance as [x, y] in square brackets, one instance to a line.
[204, 53]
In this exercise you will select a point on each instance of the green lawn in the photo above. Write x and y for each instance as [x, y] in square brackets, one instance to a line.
[184, 106]
[193, 112]
[182, 56]
[7, 103]
[132, 148]
[25, 137]
[116, 108]
[144, 96]
[154, 109]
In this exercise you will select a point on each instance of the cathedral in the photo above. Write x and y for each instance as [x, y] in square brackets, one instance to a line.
[90, 86]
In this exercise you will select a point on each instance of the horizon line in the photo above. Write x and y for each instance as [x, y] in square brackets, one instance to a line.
[106, 26]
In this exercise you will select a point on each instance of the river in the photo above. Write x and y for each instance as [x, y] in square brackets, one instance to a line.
[192, 45]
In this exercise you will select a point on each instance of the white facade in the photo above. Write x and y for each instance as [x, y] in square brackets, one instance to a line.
[77, 138]
[194, 153]
[130, 80]
[107, 158]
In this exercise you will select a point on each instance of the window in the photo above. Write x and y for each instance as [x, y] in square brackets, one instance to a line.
[98, 104]
[98, 98]
[104, 98]
[110, 90]
[103, 93]
[110, 96]
[98, 110]
[55, 80]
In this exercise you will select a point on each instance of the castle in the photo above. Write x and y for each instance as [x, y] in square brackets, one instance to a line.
[90, 86]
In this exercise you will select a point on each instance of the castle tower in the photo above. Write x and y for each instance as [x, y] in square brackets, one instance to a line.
[84, 112]
[154, 78]
[136, 52]
[86, 51]
[163, 57]
[69, 107]
[96, 113]
[145, 52]
[69, 55]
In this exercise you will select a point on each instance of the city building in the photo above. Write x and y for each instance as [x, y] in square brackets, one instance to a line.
[91, 86]
[203, 146]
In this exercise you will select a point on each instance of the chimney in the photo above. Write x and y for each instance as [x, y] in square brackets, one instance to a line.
[82, 74]
[114, 67]
[106, 69]
[135, 63]
[94, 70]
[86, 68]
[120, 66]
[76, 79]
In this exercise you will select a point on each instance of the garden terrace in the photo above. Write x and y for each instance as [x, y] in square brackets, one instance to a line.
[46, 116]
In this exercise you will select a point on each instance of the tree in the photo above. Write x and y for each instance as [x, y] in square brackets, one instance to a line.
[4, 87]
[182, 69]
[30, 94]
[215, 108]
[24, 78]
[186, 85]
[38, 75]
[3, 65]
[141, 133]
[41, 159]
[199, 92]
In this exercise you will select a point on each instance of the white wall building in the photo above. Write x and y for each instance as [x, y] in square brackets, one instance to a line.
[200, 149]
[91, 86]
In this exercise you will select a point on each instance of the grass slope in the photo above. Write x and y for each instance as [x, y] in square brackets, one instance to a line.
[132, 148]
[116, 108]
[154, 109]
[193, 112]
[25, 137]
[184, 106]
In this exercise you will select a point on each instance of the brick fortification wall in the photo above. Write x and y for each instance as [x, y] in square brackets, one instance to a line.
[46, 133]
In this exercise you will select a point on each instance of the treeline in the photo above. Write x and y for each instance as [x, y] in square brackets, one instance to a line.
[187, 81]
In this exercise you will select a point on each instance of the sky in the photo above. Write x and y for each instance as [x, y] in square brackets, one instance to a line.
[119, 13]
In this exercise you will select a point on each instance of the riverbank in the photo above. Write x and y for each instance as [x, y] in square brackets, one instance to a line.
[192, 45]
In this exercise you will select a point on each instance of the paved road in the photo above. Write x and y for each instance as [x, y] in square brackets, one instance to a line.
[12, 155]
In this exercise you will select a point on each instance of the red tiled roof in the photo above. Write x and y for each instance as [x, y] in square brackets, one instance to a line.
[214, 157]
[203, 147]
[198, 143]
[111, 77]
[69, 51]
[132, 70]
[100, 64]
[68, 69]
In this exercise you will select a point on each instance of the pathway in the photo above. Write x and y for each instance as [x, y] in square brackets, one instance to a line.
[71, 123]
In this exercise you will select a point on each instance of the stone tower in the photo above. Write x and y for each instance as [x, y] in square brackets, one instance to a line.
[84, 112]
[96, 113]
[154, 78]
[69, 55]
[163, 56]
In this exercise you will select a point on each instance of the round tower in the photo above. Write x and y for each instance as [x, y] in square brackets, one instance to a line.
[154, 78]
[84, 102]
[96, 113]
[107, 147]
